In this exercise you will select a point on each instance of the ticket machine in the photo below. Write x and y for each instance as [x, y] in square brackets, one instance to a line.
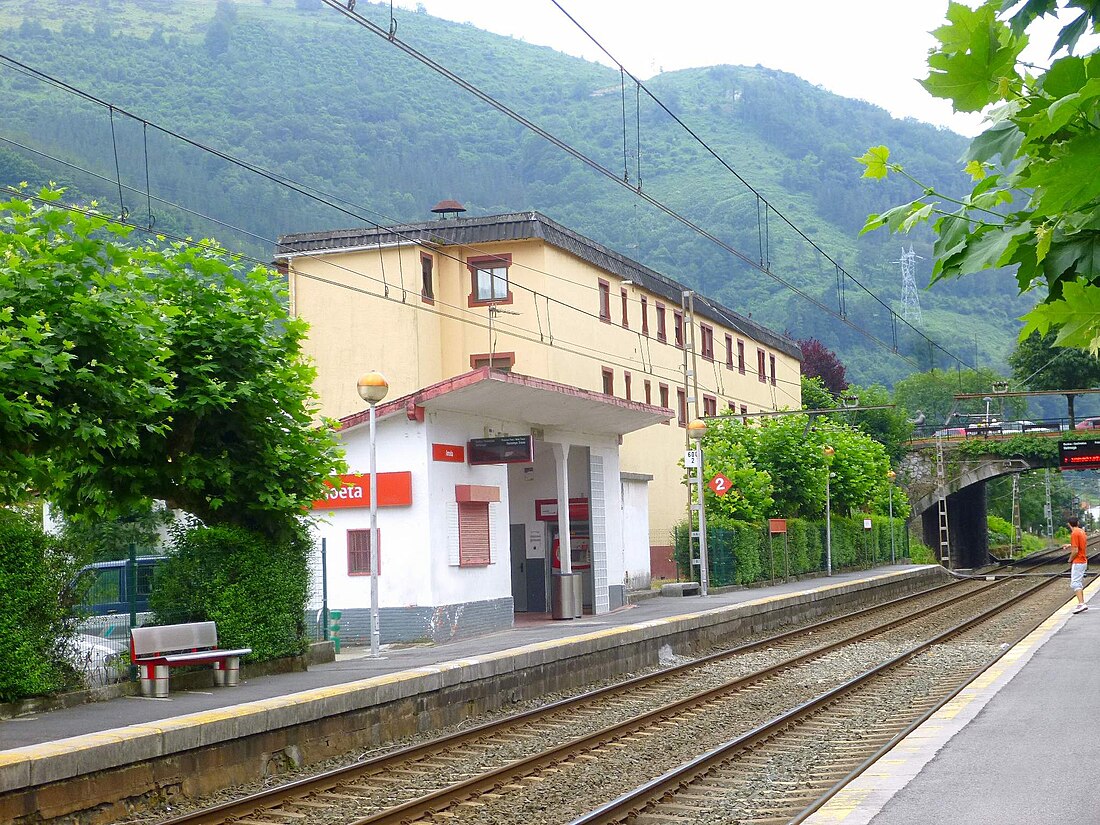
[580, 541]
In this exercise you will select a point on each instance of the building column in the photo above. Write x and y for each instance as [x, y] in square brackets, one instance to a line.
[561, 463]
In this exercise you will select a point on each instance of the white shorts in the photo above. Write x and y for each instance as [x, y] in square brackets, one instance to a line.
[1077, 576]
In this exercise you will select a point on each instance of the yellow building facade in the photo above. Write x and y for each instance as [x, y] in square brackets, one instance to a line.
[428, 301]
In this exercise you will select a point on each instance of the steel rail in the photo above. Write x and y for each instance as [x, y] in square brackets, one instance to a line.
[634, 802]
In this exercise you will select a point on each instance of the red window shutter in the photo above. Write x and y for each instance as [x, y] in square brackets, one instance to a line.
[473, 533]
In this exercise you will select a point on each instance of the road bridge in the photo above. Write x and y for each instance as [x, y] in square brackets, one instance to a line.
[968, 464]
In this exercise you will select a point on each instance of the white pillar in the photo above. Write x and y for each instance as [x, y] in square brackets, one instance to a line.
[561, 461]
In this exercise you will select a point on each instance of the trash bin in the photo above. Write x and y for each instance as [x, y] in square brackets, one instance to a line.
[578, 595]
[562, 596]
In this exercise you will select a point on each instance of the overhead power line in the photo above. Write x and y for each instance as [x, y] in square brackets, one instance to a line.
[489, 99]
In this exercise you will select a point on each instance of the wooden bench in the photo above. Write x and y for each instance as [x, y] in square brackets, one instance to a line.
[155, 649]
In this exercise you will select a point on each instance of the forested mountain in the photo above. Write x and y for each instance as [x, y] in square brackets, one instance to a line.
[311, 97]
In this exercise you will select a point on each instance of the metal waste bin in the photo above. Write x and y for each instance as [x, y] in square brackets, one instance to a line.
[562, 596]
[578, 595]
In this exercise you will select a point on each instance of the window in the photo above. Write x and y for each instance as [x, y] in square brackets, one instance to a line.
[626, 385]
[359, 553]
[681, 408]
[760, 371]
[661, 336]
[645, 315]
[729, 352]
[648, 393]
[678, 327]
[499, 361]
[605, 301]
[710, 405]
[771, 367]
[626, 317]
[744, 414]
[427, 289]
[740, 356]
[663, 391]
[706, 334]
[473, 533]
[733, 407]
[489, 280]
[608, 381]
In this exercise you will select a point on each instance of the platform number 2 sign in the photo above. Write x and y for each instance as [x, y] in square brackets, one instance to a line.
[719, 485]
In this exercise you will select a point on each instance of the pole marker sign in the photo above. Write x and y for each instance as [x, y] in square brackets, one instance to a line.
[720, 484]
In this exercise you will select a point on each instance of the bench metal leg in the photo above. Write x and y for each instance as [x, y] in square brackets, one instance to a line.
[228, 672]
[154, 681]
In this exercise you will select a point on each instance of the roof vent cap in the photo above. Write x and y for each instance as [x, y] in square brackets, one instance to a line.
[448, 207]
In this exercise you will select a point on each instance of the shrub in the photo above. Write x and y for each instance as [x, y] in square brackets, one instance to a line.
[254, 587]
[36, 620]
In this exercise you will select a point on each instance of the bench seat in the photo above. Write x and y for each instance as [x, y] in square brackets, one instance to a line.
[156, 649]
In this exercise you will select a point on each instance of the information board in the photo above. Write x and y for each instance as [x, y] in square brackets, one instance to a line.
[505, 449]
[1079, 455]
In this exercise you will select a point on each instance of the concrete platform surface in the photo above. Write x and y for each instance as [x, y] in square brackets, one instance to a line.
[1013, 748]
[353, 664]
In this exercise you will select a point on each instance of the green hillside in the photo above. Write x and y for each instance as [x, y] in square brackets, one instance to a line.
[297, 89]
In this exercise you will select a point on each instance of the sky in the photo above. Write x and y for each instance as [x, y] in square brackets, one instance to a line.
[872, 50]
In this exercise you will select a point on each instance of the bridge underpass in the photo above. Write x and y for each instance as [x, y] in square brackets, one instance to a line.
[965, 479]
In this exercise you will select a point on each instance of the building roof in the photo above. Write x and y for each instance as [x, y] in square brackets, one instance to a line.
[521, 226]
[536, 401]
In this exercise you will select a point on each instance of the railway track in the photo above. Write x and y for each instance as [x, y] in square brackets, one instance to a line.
[528, 768]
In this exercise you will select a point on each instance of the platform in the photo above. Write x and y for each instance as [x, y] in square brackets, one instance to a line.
[1013, 748]
[359, 702]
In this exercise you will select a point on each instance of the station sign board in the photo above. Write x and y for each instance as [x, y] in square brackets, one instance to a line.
[1079, 455]
[394, 490]
[505, 449]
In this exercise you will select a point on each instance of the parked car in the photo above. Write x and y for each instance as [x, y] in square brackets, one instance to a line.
[950, 432]
[99, 660]
[103, 588]
[1088, 424]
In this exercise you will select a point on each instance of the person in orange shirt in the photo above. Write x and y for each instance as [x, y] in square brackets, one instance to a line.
[1078, 563]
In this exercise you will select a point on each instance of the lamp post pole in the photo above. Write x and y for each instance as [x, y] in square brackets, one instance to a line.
[828, 451]
[372, 388]
[891, 475]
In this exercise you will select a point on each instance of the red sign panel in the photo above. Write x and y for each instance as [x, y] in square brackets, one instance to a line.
[777, 525]
[448, 452]
[546, 509]
[719, 484]
[394, 490]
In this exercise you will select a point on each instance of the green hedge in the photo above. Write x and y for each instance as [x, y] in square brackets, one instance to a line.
[254, 588]
[738, 552]
[36, 617]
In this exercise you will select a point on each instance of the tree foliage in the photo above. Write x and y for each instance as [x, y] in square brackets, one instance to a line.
[1040, 365]
[166, 371]
[1035, 199]
[933, 394]
[818, 361]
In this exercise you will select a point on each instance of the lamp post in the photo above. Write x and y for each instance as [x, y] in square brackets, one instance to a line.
[829, 452]
[890, 476]
[372, 388]
[696, 429]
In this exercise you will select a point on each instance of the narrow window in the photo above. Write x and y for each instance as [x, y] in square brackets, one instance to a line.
[761, 373]
[648, 392]
[710, 405]
[733, 407]
[473, 534]
[359, 553]
[706, 333]
[744, 414]
[489, 280]
[681, 408]
[729, 352]
[663, 390]
[605, 301]
[626, 317]
[740, 356]
[499, 361]
[678, 327]
[771, 366]
[661, 336]
[626, 385]
[645, 316]
[427, 288]
[608, 381]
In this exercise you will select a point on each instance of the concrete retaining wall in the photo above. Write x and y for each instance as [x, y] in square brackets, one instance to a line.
[104, 777]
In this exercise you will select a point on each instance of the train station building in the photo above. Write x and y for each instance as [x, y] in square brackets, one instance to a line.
[523, 308]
